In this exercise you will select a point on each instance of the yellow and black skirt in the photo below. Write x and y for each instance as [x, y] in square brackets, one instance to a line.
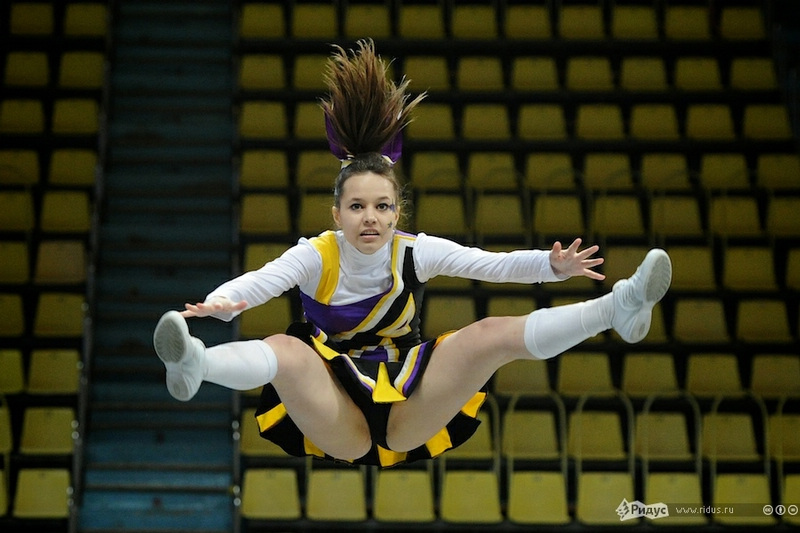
[374, 386]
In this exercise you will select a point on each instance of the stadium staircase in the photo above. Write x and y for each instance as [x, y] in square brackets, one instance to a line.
[166, 237]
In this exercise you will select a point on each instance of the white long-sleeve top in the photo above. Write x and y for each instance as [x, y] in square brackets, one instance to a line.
[364, 275]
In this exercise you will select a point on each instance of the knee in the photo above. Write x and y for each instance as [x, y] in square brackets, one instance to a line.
[290, 351]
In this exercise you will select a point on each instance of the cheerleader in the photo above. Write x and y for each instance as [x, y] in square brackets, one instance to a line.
[354, 381]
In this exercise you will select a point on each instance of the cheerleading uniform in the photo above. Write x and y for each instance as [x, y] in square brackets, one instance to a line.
[362, 317]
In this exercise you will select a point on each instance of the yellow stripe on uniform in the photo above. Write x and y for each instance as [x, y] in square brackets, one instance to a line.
[388, 457]
[384, 391]
[439, 443]
[325, 243]
[472, 407]
[270, 418]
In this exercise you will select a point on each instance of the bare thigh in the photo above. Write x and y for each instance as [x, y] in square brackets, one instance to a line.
[316, 401]
[461, 364]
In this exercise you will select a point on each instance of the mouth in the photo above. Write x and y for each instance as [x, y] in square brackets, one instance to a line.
[369, 234]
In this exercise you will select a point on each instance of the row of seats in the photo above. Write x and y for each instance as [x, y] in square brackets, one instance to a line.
[80, 70]
[47, 19]
[525, 73]
[492, 20]
[661, 122]
[280, 170]
[66, 116]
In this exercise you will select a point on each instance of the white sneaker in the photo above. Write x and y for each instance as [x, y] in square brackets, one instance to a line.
[181, 353]
[635, 297]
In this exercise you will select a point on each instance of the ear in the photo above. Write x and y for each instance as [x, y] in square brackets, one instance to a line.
[336, 217]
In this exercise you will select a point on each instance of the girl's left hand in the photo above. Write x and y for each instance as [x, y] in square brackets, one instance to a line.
[571, 262]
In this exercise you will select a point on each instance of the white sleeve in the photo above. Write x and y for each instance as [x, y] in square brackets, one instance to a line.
[435, 256]
[297, 266]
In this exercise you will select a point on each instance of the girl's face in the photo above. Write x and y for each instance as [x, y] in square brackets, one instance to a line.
[367, 212]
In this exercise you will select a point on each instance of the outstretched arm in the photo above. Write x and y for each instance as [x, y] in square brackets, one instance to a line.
[571, 262]
[217, 304]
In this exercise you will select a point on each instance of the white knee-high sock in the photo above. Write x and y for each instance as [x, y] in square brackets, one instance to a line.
[552, 331]
[241, 365]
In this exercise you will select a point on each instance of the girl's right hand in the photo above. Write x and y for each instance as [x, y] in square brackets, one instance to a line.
[215, 305]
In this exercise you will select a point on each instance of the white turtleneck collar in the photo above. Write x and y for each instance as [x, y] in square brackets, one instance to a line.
[362, 275]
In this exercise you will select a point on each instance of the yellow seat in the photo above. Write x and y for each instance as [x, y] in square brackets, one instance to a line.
[742, 489]
[421, 21]
[60, 262]
[251, 444]
[479, 73]
[15, 268]
[433, 122]
[59, 314]
[12, 375]
[793, 269]
[766, 122]
[12, 318]
[617, 215]
[308, 69]
[791, 494]
[549, 171]
[315, 213]
[309, 121]
[558, 215]
[31, 18]
[541, 122]
[753, 74]
[581, 22]
[403, 495]
[697, 74]
[645, 373]
[522, 377]
[21, 116]
[371, 20]
[42, 493]
[3, 493]
[85, 19]
[261, 71]
[491, 171]
[76, 116]
[599, 122]
[527, 22]
[675, 216]
[473, 21]
[783, 444]
[265, 169]
[500, 215]
[724, 171]
[19, 167]
[580, 373]
[620, 262]
[693, 268]
[446, 313]
[684, 487]
[72, 167]
[775, 375]
[316, 169]
[270, 494]
[534, 73]
[82, 70]
[644, 74]
[267, 319]
[738, 23]
[485, 122]
[749, 268]
[314, 20]
[6, 434]
[595, 435]
[260, 20]
[783, 216]
[709, 122]
[48, 431]
[336, 494]
[598, 496]
[713, 374]
[429, 208]
[776, 171]
[682, 22]
[26, 69]
[603, 171]
[700, 320]
[470, 497]
[257, 255]
[537, 497]
[763, 320]
[589, 74]
[662, 436]
[529, 434]
[428, 73]
[66, 212]
[665, 172]
[634, 23]
[654, 122]
[734, 216]
[54, 371]
[262, 120]
[435, 171]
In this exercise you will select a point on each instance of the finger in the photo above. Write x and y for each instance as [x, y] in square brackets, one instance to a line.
[594, 275]
[589, 251]
[188, 314]
[574, 246]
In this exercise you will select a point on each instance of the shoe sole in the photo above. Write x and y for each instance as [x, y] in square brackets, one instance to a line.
[659, 276]
[169, 338]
